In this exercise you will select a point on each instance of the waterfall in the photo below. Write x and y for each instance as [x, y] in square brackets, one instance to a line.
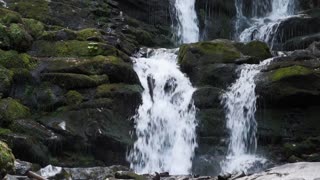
[187, 29]
[264, 28]
[165, 122]
[240, 104]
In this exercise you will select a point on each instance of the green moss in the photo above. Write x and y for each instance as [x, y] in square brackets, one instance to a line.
[4, 131]
[6, 159]
[19, 37]
[74, 97]
[35, 9]
[255, 49]
[34, 27]
[72, 81]
[59, 35]
[11, 109]
[107, 90]
[291, 71]
[4, 37]
[6, 77]
[84, 34]
[72, 49]
[8, 17]
[12, 59]
[218, 51]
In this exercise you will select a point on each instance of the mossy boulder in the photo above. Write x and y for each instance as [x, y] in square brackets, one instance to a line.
[74, 97]
[256, 49]
[11, 109]
[5, 42]
[20, 38]
[6, 80]
[12, 59]
[72, 48]
[59, 35]
[89, 33]
[74, 81]
[35, 9]
[35, 28]
[6, 160]
[7, 16]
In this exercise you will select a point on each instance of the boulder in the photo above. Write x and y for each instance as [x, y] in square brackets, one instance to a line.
[11, 109]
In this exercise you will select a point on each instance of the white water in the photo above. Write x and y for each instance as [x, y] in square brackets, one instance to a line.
[165, 122]
[265, 28]
[240, 104]
[187, 30]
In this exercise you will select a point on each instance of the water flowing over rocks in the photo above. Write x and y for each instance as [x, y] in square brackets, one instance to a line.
[70, 91]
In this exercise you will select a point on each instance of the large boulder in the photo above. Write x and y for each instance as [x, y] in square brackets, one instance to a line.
[214, 63]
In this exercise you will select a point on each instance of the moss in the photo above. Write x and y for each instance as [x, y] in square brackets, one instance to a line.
[255, 49]
[59, 35]
[74, 98]
[12, 59]
[19, 37]
[4, 37]
[218, 51]
[6, 159]
[11, 109]
[72, 49]
[6, 78]
[4, 131]
[108, 90]
[34, 27]
[8, 17]
[35, 9]
[84, 34]
[291, 71]
[72, 81]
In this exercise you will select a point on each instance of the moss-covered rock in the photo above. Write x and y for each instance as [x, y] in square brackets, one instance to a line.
[6, 160]
[111, 90]
[7, 17]
[11, 109]
[291, 71]
[6, 78]
[256, 49]
[12, 59]
[35, 9]
[74, 81]
[59, 35]
[72, 49]
[73, 97]
[19, 37]
[4, 37]
[34, 27]
[89, 33]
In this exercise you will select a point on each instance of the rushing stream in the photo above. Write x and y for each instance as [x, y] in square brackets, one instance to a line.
[240, 104]
[165, 122]
[263, 25]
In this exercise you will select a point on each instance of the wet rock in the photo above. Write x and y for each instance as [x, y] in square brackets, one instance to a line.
[6, 160]
[127, 175]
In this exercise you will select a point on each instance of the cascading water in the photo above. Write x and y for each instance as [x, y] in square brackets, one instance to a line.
[165, 123]
[240, 104]
[187, 29]
[265, 28]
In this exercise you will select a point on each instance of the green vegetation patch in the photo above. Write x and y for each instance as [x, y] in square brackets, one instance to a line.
[291, 71]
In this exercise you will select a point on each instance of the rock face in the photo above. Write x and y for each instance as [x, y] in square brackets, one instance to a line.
[67, 84]
[288, 101]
